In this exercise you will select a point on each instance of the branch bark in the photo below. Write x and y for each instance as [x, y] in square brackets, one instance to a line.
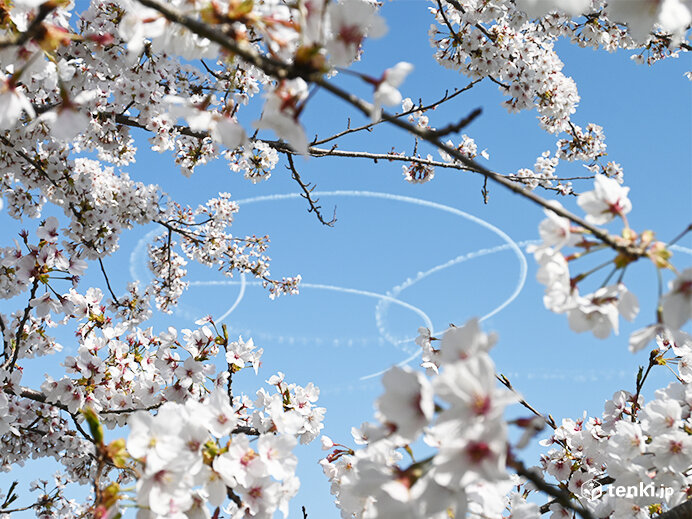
[281, 70]
[682, 511]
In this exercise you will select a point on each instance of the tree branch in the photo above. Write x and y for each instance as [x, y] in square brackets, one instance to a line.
[413, 110]
[34, 28]
[335, 152]
[306, 194]
[11, 361]
[456, 127]
[505, 382]
[562, 497]
[284, 71]
[108, 284]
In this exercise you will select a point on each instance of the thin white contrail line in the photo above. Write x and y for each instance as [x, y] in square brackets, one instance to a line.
[681, 249]
[455, 261]
[320, 286]
[523, 267]
[509, 243]
[241, 294]
[390, 297]
[138, 252]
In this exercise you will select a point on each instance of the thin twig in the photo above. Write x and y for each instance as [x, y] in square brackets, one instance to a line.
[562, 497]
[23, 509]
[334, 152]
[34, 28]
[681, 235]
[456, 127]
[306, 194]
[413, 110]
[108, 284]
[484, 191]
[10, 362]
[641, 378]
[505, 382]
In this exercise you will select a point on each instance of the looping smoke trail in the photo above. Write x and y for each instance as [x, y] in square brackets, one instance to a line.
[319, 286]
[384, 300]
[136, 258]
[138, 255]
[241, 294]
[523, 268]
[383, 305]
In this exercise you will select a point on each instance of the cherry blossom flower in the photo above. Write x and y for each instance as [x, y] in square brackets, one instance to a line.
[539, 8]
[598, 312]
[478, 454]
[677, 304]
[12, 103]
[607, 200]
[556, 230]
[459, 343]
[217, 414]
[350, 22]
[407, 404]
[640, 16]
[49, 229]
[281, 111]
[386, 92]
[470, 387]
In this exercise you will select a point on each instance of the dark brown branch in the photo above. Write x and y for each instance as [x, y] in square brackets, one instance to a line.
[242, 429]
[34, 28]
[334, 152]
[23, 509]
[5, 342]
[455, 128]
[562, 497]
[322, 152]
[108, 284]
[284, 71]
[11, 361]
[499, 83]
[307, 194]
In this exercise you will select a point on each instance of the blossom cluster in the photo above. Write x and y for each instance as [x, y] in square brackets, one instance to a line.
[457, 412]
[632, 445]
[121, 377]
[187, 465]
[599, 311]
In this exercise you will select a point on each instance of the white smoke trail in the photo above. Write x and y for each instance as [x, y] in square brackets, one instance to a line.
[523, 268]
[319, 286]
[384, 299]
[382, 306]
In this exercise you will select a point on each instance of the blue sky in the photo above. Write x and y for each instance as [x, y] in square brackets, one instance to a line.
[336, 337]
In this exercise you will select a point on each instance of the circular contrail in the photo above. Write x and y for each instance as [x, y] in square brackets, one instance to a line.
[332, 288]
[510, 243]
[384, 300]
